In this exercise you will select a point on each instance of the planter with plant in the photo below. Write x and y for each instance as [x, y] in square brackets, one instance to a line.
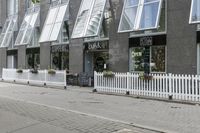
[19, 71]
[52, 71]
[34, 71]
[109, 74]
[145, 76]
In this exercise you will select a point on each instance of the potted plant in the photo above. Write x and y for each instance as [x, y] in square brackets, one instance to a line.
[19, 71]
[52, 71]
[145, 76]
[34, 71]
[109, 74]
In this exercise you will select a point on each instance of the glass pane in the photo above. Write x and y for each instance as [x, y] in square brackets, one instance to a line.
[149, 16]
[26, 21]
[27, 36]
[5, 26]
[52, 15]
[19, 37]
[7, 39]
[128, 19]
[61, 13]
[82, 19]
[137, 59]
[158, 59]
[132, 3]
[55, 31]
[195, 11]
[149, 1]
[45, 33]
[96, 18]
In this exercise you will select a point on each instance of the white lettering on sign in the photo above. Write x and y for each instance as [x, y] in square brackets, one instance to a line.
[146, 41]
[96, 45]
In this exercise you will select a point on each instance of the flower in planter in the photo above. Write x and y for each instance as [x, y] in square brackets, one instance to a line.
[51, 71]
[108, 74]
[145, 76]
[34, 71]
[19, 71]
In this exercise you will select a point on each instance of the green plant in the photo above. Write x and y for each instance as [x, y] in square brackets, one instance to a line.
[107, 73]
[145, 76]
[36, 1]
[51, 71]
[19, 71]
[34, 71]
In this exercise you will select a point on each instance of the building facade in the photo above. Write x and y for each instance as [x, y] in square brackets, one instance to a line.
[156, 36]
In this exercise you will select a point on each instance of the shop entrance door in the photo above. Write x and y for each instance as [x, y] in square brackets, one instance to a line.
[94, 61]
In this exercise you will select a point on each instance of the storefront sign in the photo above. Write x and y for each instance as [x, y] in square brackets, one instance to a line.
[198, 36]
[60, 48]
[96, 45]
[146, 41]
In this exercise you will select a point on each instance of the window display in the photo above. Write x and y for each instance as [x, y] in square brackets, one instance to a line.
[147, 59]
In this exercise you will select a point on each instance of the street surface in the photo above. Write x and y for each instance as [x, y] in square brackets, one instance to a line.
[29, 109]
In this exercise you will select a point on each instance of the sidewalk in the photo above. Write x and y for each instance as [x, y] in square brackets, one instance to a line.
[163, 116]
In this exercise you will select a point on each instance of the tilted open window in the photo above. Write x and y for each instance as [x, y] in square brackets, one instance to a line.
[195, 12]
[54, 22]
[8, 29]
[27, 27]
[140, 15]
[89, 18]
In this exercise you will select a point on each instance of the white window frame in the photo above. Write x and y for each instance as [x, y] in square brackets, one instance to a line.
[34, 14]
[191, 11]
[45, 38]
[89, 17]
[9, 31]
[138, 17]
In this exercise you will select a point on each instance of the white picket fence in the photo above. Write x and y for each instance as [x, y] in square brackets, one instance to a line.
[179, 87]
[41, 78]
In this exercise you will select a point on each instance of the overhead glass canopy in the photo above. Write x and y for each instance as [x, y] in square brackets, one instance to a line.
[53, 22]
[8, 29]
[27, 26]
[140, 15]
[195, 12]
[89, 18]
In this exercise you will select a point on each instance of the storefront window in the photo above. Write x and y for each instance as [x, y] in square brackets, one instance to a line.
[33, 58]
[148, 59]
[60, 57]
[157, 59]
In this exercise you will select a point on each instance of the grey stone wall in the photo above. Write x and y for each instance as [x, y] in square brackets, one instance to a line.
[22, 57]
[76, 45]
[45, 48]
[118, 43]
[181, 38]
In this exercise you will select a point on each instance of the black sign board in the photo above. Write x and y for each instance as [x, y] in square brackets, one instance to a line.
[33, 50]
[198, 36]
[99, 45]
[147, 41]
[60, 48]
[12, 52]
[83, 79]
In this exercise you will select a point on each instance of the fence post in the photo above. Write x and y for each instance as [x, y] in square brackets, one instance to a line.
[65, 80]
[170, 86]
[28, 82]
[95, 82]
[45, 79]
[127, 83]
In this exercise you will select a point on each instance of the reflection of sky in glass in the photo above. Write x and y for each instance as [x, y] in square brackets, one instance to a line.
[196, 10]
